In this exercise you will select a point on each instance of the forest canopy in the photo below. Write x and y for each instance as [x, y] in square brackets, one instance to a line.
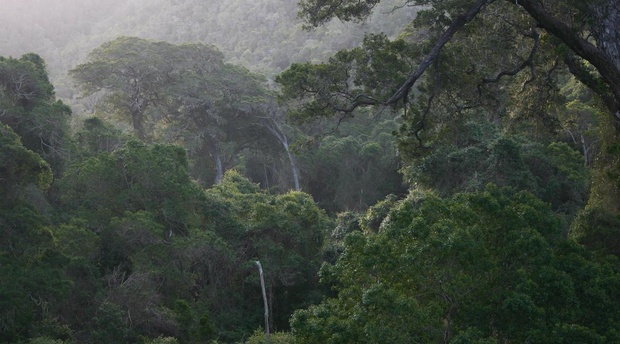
[450, 174]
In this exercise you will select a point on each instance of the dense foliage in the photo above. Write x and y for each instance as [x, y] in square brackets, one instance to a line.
[453, 180]
[490, 266]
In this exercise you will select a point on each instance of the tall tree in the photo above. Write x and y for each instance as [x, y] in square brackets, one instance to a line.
[212, 104]
[272, 118]
[187, 94]
[133, 73]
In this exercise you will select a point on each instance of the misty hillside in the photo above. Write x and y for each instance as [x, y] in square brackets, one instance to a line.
[265, 36]
[209, 171]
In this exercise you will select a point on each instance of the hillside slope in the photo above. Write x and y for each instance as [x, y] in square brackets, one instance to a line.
[265, 36]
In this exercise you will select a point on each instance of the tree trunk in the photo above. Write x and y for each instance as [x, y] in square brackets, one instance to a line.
[219, 167]
[604, 56]
[137, 108]
[262, 286]
[294, 169]
[212, 147]
[277, 131]
[137, 122]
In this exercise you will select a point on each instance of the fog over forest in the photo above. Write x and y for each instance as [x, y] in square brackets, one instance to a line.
[264, 36]
[309, 171]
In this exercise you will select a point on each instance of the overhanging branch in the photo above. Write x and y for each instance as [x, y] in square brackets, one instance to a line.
[586, 50]
[458, 23]
[401, 94]
[591, 81]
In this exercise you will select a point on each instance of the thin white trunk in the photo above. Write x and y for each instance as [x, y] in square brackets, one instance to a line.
[262, 285]
[277, 131]
[219, 168]
[294, 169]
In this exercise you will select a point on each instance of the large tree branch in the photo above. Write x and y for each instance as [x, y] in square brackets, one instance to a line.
[579, 71]
[458, 23]
[586, 50]
[402, 93]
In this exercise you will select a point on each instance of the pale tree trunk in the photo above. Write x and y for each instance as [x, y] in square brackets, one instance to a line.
[212, 147]
[294, 169]
[219, 167]
[586, 147]
[277, 131]
[137, 109]
[265, 303]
